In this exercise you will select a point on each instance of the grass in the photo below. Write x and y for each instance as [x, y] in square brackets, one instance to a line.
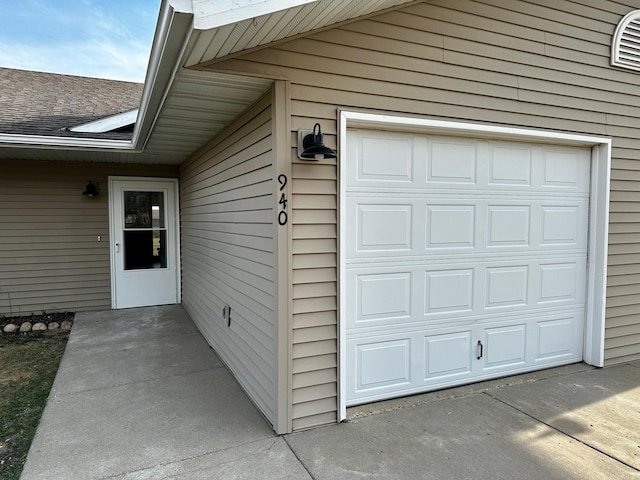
[28, 365]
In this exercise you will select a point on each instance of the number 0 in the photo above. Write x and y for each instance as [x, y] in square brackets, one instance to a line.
[282, 218]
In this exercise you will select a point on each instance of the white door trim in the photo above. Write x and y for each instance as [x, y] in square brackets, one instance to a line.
[598, 213]
[112, 229]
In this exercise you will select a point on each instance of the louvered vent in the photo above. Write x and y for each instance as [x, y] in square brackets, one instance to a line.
[625, 50]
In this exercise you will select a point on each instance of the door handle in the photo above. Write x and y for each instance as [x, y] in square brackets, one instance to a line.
[117, 247]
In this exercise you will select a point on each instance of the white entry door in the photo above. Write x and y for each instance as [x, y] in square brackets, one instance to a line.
[465, 260]
[144, 242]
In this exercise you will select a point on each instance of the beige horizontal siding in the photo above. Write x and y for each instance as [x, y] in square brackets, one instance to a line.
[314, 293]
[532, 64]
[50, 257]
[228, 250]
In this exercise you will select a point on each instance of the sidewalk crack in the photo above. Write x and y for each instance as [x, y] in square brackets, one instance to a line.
[137, 382]
[295, 454]
[538, 420]
[193, 457]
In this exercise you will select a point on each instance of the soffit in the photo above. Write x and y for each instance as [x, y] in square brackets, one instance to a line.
[226, 39]
[198, 107]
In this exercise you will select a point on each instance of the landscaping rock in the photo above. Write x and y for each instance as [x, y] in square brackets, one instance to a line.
[38, 323]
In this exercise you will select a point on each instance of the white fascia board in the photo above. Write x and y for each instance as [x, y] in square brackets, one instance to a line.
[52, 143]
[107, 124]
[216, 13]
[174, 29]
[182, 6]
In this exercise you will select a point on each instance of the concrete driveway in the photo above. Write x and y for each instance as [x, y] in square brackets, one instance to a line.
[566, 423]
[140, 395]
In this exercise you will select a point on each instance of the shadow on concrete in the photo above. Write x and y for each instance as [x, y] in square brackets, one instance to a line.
[572, 422]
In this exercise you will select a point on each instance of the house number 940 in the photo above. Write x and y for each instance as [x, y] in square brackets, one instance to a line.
[283, 217]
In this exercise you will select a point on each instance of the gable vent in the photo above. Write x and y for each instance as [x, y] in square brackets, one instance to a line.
[625, 49]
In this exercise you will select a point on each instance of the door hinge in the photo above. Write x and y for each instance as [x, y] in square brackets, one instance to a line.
[480, 349]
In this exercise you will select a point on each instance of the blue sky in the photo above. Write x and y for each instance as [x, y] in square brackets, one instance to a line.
[93, 38]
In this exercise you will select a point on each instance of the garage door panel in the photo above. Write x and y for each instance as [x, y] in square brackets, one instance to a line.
[564, 225]
[450, 226]
[375, 164]
[506, 286]
[446, 162]
[384, 228]
[504, 347]
[465, 260]
[398, 296]
[396, 364]
[533, 225]
[391, 294]
[379, 365]
[565, 169]
[558, 338]
[389, 225]
[562, 282]
[404, 363]
[510, 165]
[447, 355]
[371, 166]
[383, 296]
[383, 364]
[449, 291]
[509, 225]
[452, 161]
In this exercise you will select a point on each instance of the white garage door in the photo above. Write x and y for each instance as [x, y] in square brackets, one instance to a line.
[465, 260]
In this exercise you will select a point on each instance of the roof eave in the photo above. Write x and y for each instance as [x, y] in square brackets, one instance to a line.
[175, 25]
[51, 142]
[173, 31]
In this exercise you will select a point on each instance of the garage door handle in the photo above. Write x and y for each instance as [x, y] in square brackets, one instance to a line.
[480, 349]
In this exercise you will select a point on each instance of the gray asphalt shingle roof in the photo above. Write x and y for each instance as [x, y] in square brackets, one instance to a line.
[38, 103]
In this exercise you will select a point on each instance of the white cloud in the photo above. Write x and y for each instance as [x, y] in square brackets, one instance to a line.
[95, 59]
[85, 39]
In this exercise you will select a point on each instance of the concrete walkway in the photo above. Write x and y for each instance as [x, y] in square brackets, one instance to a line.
[140, 395]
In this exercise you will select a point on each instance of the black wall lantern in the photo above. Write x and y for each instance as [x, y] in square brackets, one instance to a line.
[311, 147]
[91, 190]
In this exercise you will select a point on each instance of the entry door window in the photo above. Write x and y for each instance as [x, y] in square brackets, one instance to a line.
[145, 231]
